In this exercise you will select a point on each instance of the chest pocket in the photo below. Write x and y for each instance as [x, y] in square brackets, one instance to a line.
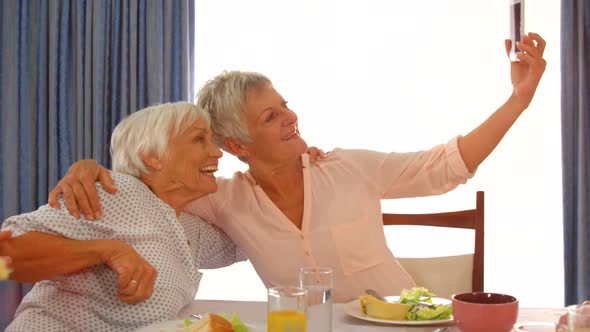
[359, 245]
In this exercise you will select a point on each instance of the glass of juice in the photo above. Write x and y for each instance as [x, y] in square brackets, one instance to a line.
[287, 307]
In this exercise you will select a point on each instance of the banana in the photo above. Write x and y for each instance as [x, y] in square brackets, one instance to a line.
[374, 307]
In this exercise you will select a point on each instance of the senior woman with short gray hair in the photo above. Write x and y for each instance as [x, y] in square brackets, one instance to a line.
[163, 158]
[329, 213]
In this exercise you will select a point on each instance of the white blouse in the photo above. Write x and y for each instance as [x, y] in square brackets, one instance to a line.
[342, 225]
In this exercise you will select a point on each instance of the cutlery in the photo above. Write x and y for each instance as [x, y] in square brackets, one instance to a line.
[197, 316]
[374, 293]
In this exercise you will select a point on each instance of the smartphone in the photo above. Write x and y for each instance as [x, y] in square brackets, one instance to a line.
[516, 26]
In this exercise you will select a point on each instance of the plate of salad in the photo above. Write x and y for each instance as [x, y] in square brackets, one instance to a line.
[416, 306]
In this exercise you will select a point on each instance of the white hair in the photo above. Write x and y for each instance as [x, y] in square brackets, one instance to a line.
[223, 97]
[148, 131]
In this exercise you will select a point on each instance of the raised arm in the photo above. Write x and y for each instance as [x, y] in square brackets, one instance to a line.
[525, 76]
[38, 256]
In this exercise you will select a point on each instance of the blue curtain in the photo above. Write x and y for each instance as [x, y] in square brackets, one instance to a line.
[69, 71]
[575, 104]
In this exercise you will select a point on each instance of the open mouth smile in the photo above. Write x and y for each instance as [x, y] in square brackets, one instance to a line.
[294, 133]
[208, 169]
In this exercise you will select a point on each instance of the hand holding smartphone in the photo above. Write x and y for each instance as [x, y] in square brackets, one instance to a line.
[516, 26]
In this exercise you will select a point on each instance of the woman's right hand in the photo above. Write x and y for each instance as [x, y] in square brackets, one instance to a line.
[79, 189]
[135, 276]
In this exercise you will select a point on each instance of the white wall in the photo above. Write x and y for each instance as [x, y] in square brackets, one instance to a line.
[400, 76]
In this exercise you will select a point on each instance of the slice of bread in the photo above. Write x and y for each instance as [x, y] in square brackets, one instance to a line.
[4, 270]
[212, 323]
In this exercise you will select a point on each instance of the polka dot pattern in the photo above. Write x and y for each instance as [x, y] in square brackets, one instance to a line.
[87, 301]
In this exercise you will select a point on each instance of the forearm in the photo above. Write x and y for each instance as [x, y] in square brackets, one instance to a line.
[38, 256]
[479, 143]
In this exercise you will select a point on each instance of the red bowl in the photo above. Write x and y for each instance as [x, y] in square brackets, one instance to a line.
[485, 312]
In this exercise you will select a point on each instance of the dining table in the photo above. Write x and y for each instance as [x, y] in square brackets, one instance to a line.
[254, 313]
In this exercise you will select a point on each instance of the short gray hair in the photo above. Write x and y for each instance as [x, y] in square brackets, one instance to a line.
[223, 97]
[148, 131]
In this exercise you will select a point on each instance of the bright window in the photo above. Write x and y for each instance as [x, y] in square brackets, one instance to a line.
[401, 76]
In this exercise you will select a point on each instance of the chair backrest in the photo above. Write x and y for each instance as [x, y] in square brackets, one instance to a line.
[425, 270]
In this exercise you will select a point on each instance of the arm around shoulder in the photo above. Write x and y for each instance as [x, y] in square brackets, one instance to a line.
[79, 190]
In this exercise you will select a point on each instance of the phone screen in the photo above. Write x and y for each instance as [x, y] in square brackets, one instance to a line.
[516, 25]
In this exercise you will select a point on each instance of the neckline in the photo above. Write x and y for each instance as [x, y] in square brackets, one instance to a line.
[306, 198]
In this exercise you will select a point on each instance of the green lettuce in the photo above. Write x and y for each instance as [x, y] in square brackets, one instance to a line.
[419, 298]
[236, 323]
[434, 312]
[415, 295]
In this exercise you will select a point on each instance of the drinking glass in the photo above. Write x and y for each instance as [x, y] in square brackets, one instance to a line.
[578, 318]
[318, 283]
[287, 308]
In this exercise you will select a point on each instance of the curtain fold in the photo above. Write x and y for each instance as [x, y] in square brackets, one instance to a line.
[575, 104]
[69, 71]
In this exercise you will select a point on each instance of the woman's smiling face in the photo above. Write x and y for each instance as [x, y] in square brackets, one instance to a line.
[272, 126]
[191, 159]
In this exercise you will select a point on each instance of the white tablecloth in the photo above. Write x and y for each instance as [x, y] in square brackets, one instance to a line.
[255, 313]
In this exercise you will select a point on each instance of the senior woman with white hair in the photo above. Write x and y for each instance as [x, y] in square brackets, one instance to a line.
[163, 158]
[327, 214]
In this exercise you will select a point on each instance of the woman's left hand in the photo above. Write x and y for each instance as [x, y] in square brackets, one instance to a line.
[136, 277]
[526, 73]
[315, 154]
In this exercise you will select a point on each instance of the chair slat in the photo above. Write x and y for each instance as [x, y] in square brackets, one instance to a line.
[467, 219]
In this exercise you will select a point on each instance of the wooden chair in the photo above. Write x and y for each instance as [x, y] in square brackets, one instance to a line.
[429, 272]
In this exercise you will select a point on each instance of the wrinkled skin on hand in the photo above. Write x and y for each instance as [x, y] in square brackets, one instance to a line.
[135, 276]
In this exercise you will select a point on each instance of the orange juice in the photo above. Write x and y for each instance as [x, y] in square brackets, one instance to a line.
[286, 321]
